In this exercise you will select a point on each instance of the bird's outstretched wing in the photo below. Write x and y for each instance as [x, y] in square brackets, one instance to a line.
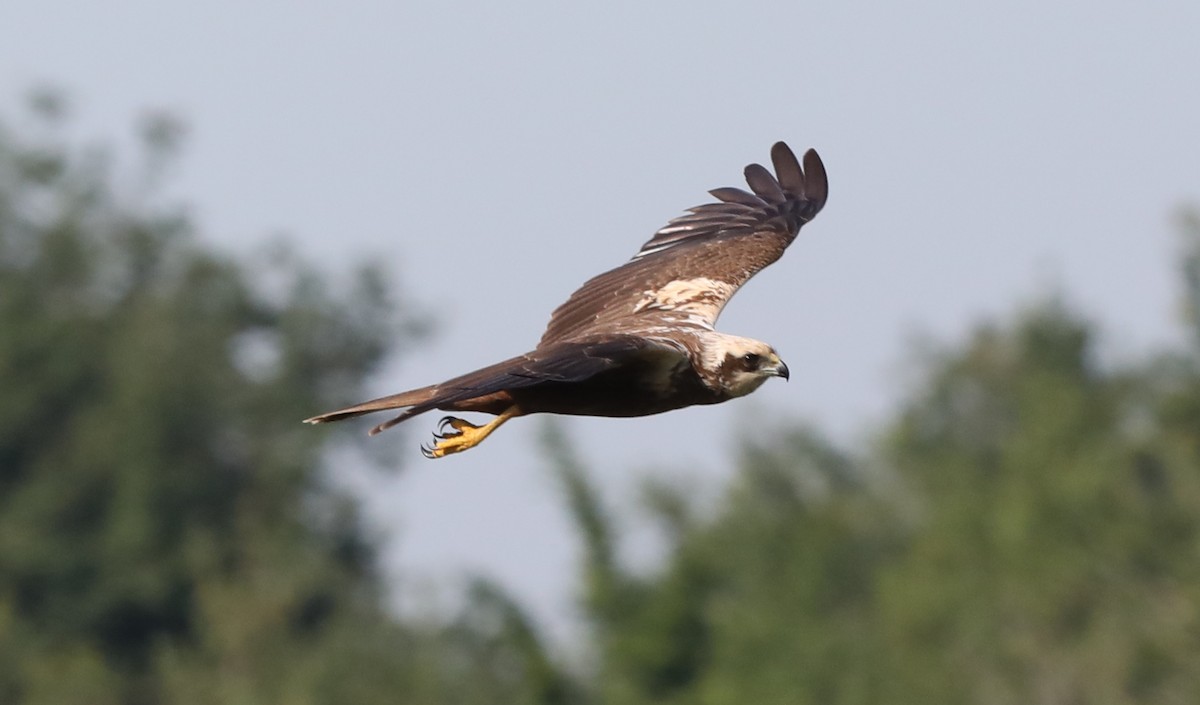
[686, 273]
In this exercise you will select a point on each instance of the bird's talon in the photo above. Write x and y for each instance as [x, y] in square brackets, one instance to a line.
[454, 435]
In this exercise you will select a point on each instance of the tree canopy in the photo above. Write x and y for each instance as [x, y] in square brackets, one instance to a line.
[167, 534]
[1025, 530]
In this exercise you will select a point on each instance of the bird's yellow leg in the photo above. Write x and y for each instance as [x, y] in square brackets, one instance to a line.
[462, 436]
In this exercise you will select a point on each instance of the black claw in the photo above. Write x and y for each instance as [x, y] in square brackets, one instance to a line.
[427, 452]
[445, 429]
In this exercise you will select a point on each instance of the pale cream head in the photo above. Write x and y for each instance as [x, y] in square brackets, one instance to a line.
[739, 365]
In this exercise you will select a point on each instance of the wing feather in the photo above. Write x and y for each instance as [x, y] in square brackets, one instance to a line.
[764, 185]
[791, 176]
[732, 195]
[690, 268]
[815, 180]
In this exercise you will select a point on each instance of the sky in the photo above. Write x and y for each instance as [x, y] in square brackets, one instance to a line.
[495, 156]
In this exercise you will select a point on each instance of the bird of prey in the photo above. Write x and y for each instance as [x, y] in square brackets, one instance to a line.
[639, 339]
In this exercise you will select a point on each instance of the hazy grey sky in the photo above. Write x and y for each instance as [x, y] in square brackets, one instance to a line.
[496, 156]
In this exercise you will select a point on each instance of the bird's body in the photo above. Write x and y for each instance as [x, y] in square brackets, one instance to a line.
[649, 381]
[639, 339]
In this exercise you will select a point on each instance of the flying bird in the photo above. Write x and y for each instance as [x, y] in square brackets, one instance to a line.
[640, 339]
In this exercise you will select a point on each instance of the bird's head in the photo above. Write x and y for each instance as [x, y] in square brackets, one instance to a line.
[741, 365]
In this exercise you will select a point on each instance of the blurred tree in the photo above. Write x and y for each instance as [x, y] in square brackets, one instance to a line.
[166, 532]
[1056, 560]
[1027, 530]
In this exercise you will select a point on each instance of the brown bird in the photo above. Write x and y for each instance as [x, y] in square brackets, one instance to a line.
[639, 339]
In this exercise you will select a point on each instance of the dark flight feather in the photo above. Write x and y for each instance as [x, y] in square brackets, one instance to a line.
[764, 185]
[791, 176]
[733, 195]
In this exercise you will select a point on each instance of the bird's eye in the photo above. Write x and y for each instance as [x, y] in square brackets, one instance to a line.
[751, 359]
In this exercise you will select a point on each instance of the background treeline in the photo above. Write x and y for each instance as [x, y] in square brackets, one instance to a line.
[1025, 529]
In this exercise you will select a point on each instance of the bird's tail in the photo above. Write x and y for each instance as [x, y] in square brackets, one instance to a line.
[559, 363]
[416, 401]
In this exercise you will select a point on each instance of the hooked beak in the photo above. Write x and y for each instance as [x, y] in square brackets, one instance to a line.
[779, 369]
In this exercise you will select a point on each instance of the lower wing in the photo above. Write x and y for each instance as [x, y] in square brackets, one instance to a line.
[573, 361]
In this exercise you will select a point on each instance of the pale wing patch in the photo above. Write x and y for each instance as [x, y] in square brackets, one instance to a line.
[698, 301]
[665, 363]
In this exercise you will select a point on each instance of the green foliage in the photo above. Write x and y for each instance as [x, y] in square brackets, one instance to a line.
[167, 534]
[1026, 531]
[1189, 222]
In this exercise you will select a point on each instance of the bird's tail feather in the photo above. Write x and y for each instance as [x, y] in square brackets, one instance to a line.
[416, 401]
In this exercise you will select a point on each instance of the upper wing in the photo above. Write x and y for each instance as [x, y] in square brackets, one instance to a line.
[691, 267]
